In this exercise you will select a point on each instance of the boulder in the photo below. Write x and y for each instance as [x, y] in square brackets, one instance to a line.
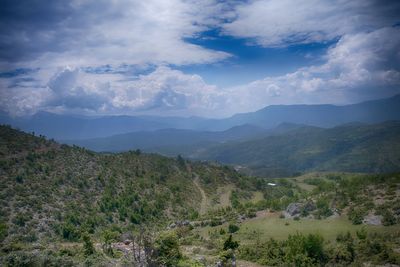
[371, 219]
[294, 209]
[126, 236]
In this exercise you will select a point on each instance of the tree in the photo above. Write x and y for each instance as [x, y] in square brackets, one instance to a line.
[167, 247]
[230, 243]
[87, 245]
[233, 228]
[388, 218]
[108, 237]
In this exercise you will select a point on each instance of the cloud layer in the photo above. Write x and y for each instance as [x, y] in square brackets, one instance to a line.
[285, 22]
[90, 33]
[119, 57]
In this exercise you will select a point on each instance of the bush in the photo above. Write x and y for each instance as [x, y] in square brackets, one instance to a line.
[88, 248]
[388, 218]
[108, 237]
[167, 247]
[356, 216]
[233, 228]
[230, 243]
[3, 231]
[70, 232]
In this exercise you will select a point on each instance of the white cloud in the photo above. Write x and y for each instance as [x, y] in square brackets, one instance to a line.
[362, 64]
[285, 22]
[170, 91]
[93, 33]
[164, 90]
[150, 35]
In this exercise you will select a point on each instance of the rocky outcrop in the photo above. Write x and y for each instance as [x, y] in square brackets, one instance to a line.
[294, 209]
[371, 219]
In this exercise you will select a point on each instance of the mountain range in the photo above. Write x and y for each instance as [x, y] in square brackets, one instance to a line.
[62, 127]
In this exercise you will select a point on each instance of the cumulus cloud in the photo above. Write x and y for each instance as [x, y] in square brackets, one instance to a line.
[362, 64]
[118, 57]
[286, 22]
[91, 33]
[366, 64]
[163, 90]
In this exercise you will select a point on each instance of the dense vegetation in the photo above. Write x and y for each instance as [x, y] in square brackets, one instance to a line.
[282, 151]
[67, 206]
[53, 192]
[347, 148]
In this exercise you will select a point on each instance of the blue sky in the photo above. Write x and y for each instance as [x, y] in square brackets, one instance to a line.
[206, 58]
[251, 62]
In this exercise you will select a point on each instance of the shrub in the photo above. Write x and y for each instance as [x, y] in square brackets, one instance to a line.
[356, 216]
[230, 243]
[167, 247]
[88, 248]
[3, 231]
[233, 228]
[388, 218]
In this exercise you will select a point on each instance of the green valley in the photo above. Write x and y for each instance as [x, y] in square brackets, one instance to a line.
[64, 205]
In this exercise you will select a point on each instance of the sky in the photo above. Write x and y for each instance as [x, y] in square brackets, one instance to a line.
[207, 58]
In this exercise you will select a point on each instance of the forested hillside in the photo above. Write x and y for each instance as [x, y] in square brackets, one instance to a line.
[68, 206]
[348, 148]
[56, 192]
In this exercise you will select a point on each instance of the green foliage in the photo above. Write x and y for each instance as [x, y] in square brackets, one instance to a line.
[297, 250]
[61, 193]
[388, 217]
[230, 244]
[356, 215]
[22, 258]
[167, 247]
[323, 208]
[349, 148]
[304, 250]
[108, 236]
[311, 250]
[70, 232]
[3, 231]
[233, 228]
[88, 247]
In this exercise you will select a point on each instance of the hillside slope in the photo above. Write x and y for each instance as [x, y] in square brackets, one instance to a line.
[350, 148]
[53, 191]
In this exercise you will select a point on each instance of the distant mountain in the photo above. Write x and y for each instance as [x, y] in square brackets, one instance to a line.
[321, 115]
[350, 148]
[82, 127]
[169, 141]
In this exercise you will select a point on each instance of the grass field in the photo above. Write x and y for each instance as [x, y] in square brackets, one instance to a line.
[271, 226]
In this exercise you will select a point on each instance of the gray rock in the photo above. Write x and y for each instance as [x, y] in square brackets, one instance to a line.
[371, 219]
[293, 209]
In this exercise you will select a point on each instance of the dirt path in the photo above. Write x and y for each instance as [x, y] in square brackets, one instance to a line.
[203, 204]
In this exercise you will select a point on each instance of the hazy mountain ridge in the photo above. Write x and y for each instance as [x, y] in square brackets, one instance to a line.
[81, 127]
[164, 140]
